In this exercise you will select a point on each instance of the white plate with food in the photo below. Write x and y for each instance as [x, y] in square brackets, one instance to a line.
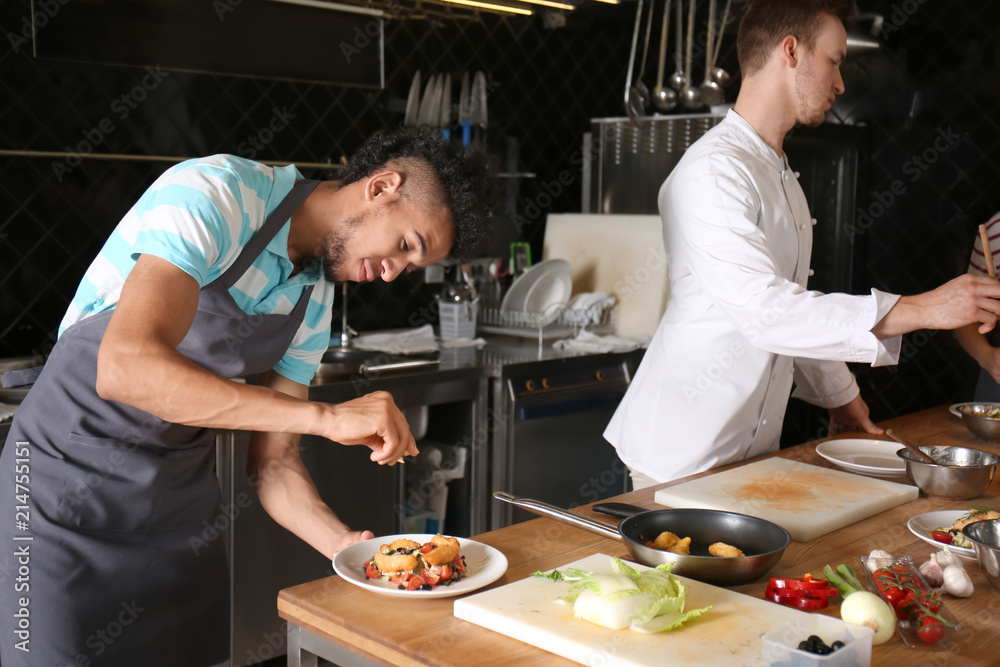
[923, 526]
[542, 293]
[483, 564]
[866, 456]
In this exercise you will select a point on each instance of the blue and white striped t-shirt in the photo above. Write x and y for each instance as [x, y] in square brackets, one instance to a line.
[198, 216]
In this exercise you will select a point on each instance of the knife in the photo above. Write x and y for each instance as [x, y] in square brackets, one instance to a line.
[444, 110]
[465, 110]
[413, 102]
[428, 103]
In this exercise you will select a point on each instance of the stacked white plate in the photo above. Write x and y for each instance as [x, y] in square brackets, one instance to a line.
[540, 294]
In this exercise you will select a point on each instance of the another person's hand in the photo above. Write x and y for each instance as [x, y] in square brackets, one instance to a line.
[959, 302]
[852, 416]
[374, 421]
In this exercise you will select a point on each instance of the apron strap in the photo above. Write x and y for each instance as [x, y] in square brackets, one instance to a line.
[267, 232]
[22, 377]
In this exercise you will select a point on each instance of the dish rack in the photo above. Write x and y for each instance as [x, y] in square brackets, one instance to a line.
[529, 325]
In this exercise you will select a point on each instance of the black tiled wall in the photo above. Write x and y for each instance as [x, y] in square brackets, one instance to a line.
[938, 74]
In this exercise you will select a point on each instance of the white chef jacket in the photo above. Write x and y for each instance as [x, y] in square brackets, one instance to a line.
[713, 386]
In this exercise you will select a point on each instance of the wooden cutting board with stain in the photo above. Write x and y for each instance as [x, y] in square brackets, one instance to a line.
[729, 635]
[808, 501]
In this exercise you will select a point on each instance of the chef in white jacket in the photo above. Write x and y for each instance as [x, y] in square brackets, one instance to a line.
[741, 326]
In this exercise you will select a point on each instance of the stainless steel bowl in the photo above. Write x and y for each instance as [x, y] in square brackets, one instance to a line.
[961, 472]
[974, 416]
[985, 536]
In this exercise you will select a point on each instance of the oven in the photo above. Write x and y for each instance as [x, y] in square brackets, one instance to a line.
[548, 422]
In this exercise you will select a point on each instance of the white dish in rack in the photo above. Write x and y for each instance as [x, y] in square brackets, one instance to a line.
[542, 292]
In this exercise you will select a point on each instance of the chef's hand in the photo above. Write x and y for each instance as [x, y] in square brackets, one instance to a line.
[374, 421]
[852, 417]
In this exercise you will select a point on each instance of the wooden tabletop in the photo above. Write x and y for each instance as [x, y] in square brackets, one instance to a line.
[397, 631]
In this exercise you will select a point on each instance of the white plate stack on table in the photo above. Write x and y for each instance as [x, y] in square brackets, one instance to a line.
[864, 456]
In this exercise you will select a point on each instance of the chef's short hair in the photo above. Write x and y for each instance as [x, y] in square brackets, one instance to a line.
[436, 174]
[767, 22]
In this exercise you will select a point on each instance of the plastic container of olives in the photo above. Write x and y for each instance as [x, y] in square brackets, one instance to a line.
[781, 645]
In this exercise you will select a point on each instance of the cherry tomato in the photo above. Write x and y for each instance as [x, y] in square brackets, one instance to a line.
[446, 573]
[371, 572]
[942, 536]
[431, 578]
[930, 631]
[893, 595]
[458, 564]
[415, 582]
[427, 548]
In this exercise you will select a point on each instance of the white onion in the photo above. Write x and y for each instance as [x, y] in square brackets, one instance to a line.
[869, 610]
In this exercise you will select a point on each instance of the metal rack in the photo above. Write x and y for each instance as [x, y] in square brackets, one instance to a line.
[531, 325]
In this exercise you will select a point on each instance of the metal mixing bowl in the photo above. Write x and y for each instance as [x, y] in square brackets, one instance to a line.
[961, 472]
[985, 535]
[975, 419]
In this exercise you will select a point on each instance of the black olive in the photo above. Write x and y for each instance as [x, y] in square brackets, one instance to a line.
[823, 649]
[814, 639]
[837, 645]
[805, 646]
[425, 587]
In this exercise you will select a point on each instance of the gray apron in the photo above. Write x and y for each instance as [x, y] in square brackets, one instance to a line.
[109, 553]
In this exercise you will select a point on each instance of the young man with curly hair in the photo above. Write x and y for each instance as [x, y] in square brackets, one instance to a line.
[741, 325]
[223, 268]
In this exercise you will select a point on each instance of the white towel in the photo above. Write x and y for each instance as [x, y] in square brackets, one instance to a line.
[590, 343]
[463, 342]
[398, 341]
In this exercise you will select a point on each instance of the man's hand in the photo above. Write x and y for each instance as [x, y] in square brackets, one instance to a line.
[374, 421]
[852, 416]
[965, 300]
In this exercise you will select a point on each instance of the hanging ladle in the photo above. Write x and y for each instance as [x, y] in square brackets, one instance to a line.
[711, 92]
[640, 87]
[690, 95]
[719, 75]
[633, 103]
[677, 80]
[664, 99]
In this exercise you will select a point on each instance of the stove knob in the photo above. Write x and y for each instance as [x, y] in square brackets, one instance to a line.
[545, 383]
[599, 376]
[530, 385]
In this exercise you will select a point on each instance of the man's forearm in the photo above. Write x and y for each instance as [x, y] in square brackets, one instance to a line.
[288, 494]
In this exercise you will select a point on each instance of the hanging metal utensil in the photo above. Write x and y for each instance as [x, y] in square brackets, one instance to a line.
[632, 102]
[664, 99]
[711, 92]
[640, 87]
[677, 79]
[690, 95]
[719, 75]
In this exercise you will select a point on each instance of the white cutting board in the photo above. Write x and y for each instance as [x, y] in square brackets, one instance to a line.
[619, 254]
[808, 501]
[729, 634]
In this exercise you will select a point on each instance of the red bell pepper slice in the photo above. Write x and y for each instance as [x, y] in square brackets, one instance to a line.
[800, 599]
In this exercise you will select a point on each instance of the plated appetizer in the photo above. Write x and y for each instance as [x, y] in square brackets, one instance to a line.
[414, 566]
